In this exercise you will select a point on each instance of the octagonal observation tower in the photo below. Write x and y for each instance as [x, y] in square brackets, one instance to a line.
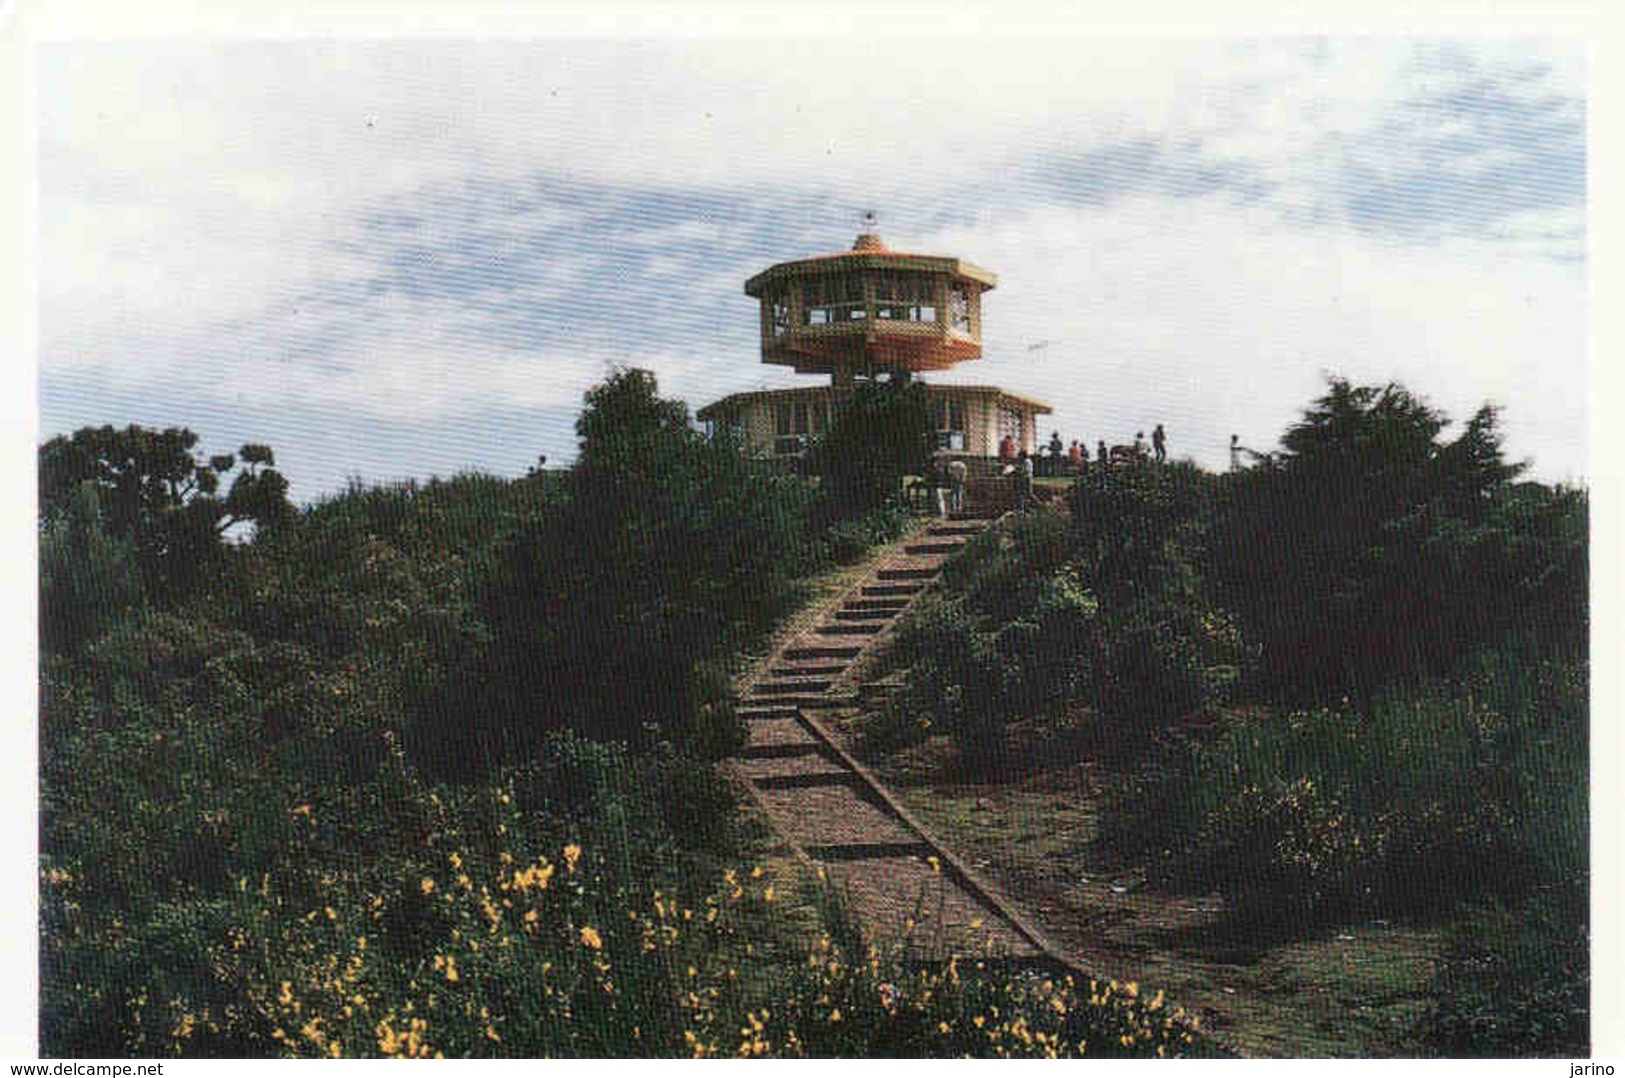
[870, 310]
[866, 313]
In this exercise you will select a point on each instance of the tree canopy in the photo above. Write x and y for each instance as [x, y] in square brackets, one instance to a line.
[142, 496]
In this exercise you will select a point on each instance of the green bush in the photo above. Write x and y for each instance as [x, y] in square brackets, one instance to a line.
[1515, 981]
[1435, 794]
[958, 677]
[896, 725]
[846, 539]
[1372, 549]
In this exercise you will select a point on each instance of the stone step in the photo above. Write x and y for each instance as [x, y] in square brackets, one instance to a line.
[822, 651]
[806, 779]
[800, 686]
[913, 573]
[893, 604]
[830, 702]
[832, 815]
[803, 769]
[758, 710]
[850, 629]
[811, 669]
[954, 529]
[864, 615]
[779, 737]
[893, 589]
[932, 548]
[798, 700]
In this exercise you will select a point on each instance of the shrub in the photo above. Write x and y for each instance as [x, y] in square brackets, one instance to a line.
[1436, 793]
[958, 676]
[896, 725]
[1515, 981]
[847, 539]
[526, 948]
[1371, 549]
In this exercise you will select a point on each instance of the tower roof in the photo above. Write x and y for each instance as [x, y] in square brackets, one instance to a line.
[869, 251]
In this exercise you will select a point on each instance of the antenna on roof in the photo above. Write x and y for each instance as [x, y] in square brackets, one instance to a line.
[870, 220]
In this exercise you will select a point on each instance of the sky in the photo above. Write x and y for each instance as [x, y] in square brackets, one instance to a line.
[394, 257]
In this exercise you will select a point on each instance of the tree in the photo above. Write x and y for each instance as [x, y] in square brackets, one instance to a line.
[883, 431]
[1370, 549]
[153, 493]
[608, 610]
[88, 579]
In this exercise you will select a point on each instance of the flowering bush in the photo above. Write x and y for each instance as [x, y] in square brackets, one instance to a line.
[528, 952]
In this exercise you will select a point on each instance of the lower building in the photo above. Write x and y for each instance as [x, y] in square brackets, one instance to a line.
[972, 421]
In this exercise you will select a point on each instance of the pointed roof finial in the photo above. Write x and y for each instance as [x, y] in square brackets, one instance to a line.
[869, 239]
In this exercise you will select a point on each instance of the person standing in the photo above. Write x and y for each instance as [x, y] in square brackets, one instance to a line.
[1024, 480]
[939, 483]
[1159, 444]
[1007, 448]
[1079, 455]
[1235, 452]
[958, 473]
[1139, 445]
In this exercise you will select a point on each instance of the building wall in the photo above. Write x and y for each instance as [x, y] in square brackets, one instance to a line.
[981, 420]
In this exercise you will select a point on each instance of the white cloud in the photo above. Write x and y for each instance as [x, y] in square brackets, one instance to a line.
[1195, 315]
[198, 201]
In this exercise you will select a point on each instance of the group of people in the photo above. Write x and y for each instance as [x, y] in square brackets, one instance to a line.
[946, 476]
[1059, 455]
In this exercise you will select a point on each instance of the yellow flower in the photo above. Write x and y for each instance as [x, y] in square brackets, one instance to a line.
[572, 854]
[768, 894]
[835, 1015]
[936, 865]
[591, 938]
[427, 886]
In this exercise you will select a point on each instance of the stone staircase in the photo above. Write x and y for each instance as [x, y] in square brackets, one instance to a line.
[901, 884]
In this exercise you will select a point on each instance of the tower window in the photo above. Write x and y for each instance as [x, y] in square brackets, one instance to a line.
[959, 309]
[778, 314]
[828, 300]
[905, 297]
